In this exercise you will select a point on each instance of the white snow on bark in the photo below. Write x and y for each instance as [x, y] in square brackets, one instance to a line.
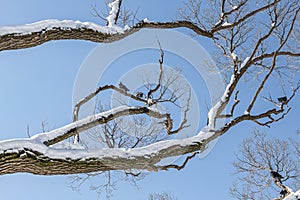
[293, 196]
[245, 62]
[233, 55]
[42, 137]
[64, 150]
[146, 20]
[149, 101]
[273, 24]
[212, 114]
[246, 113]
[53, 24]
[225, 94]
[114, 8]
[226, 24]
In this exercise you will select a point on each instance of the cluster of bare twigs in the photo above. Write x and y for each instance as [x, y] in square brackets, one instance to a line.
[136, 132]
[165, 90]
[266, 167]
[243, 52]
[124, 16]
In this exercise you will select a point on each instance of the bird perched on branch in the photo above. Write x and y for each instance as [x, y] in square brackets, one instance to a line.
[277, 177]
[282, 99]
[283, 193]
[123, 87]
[139, 95]
[167, 124]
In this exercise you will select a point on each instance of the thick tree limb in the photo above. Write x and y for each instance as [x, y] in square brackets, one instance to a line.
[72, 30]
[37, 155]
[29, 156]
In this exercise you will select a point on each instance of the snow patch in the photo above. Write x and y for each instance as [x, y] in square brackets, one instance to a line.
[273, 24]
[146, 20]
[54, 24]
[246, 113]
[67, 145]
[114, 9]
[245, 62]
[212, 115]
[233, 56]
[127, 27]
[149, 102]
[293, 196]
[225, 95]
[65, 150]
[42, 137]
[226, 24]
[213, 111]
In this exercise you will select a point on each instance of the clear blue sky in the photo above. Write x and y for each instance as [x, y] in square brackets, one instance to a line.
[36, 84]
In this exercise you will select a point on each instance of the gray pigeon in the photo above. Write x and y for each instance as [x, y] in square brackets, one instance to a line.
[123, 87]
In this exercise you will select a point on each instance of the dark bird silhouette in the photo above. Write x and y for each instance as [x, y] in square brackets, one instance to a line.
[123, 87]
[139, 95]
[276, 176]
[283, 193]
[282, 99]
[166, 123]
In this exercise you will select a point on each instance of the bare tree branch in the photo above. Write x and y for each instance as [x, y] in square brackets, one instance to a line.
[247, 16]
[179, 167]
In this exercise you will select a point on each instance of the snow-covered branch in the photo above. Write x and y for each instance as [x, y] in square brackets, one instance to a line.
[113, 16]
[293, 196]
[97, 91]
[225, 25]
[58, 135]
[30, 35]
[33, 156]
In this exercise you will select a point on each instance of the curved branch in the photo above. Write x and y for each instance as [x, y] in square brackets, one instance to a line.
[97, 91]
[247, 16]
[58, 135]
[161, 61]
[271, 55]
[29, 156]
[179, 167]
[26, 36]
